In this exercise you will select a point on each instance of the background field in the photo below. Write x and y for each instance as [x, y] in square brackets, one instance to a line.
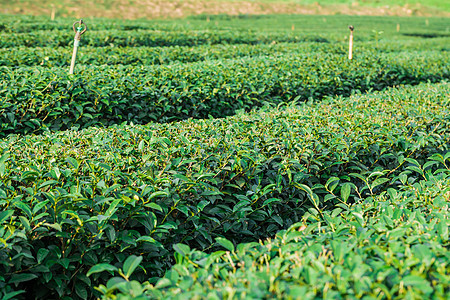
[132, 9]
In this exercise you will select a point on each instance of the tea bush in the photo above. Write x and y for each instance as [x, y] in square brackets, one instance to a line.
[394, 245]
[152, 38]
[38, 99]
[358, 186]
[72, 200]
[136, 56]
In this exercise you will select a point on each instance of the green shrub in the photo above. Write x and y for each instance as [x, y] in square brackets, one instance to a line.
[395, 245]
[38, 99]
[152, 38]
[75, 199]
[136, 56]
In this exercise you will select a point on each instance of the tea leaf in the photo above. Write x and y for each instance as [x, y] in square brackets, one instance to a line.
[225, 243]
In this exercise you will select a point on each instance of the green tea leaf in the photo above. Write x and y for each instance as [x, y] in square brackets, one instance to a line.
[98, 268]
[271, 200]
[25, 223]
[24, 208]
[182, 249]
[22, 277]
[158, 194]
[225, 243]
[12, 295]
[379, 181]
[73, 162]
[332, 183]
[81, 291]
[42, 254]
[3, 159]
[55, 226]
[345, 191]
[130, 264]
[4, 215]
[418, 282]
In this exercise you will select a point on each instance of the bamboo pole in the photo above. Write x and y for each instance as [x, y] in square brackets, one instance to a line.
[53, 13]
[350, 45]
[76, 43]
[78, 32]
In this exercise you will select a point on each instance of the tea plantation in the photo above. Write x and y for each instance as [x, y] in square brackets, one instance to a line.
[219, 157]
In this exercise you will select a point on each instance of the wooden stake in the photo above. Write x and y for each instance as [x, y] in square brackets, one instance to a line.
[398, 27]
[350, 46]
[78, 32]
[74, 55]
[53, 13]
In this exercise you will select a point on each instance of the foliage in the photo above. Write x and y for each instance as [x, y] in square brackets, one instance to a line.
[37, 99]
[136, 56]
[331, 25]
[150, 38]
[80, 206]
[29, 31]
[85, 200]
[394, 245]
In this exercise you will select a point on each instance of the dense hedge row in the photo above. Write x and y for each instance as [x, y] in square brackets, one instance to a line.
[152, 38]
[25, 24]
[35, 99]
[430, 27]
[71, 200]
[392, 246]
[57, 57]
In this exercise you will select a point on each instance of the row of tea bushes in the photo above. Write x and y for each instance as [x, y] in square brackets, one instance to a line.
[52, 57]
[60, 56]
[373, 27]
[38, 99]
[76, 199]
[153, 38]
[392, 246]
[24, 24]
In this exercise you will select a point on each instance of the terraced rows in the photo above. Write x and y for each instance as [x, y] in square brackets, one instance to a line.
[130, 178]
